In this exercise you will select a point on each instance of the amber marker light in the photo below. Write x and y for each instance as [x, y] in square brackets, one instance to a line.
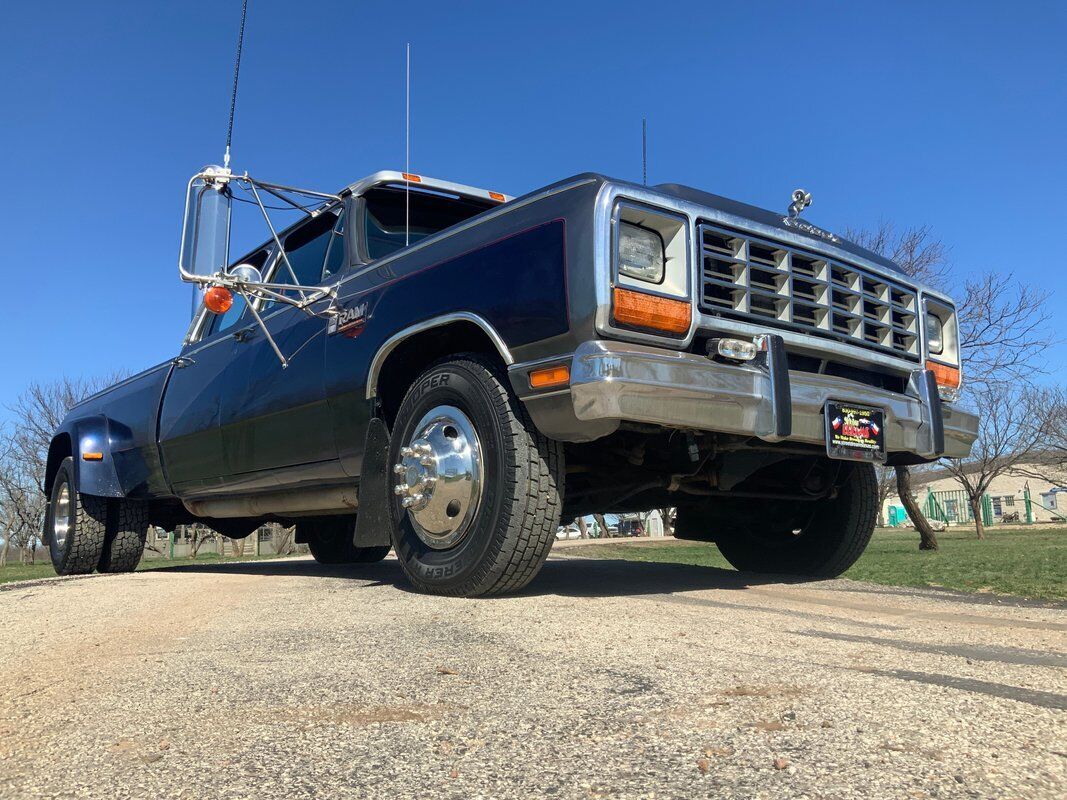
[550, 376]
[648, 311]
[945, 375]
[92, 456]
[411, 178]
[218, 299]
[496, 196]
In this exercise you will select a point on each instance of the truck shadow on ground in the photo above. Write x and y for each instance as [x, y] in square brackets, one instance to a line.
[569, 577]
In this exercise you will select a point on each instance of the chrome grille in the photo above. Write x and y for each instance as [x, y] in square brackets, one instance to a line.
[757, 280]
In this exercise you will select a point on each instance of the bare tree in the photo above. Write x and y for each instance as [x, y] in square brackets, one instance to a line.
[916, 250]
[37, 413]
[583, 529]
[1010, 430]
[1003, 329]
[668, 528]
[602, 525]
[1003, 325]
[282, 540]
[885, 487]
[927, 537]
[1050, 463]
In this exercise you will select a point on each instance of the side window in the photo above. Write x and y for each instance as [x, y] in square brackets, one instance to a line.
[393, 218]
[225, 322]
[306, 250]
[335, 253]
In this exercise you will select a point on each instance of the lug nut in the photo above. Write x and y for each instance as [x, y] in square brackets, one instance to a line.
[408, 502]
[400, 488]
[407, 452]
[399, 469]
[427, 461]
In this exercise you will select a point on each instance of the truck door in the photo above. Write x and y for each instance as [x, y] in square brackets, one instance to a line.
[276, 426]
[190, 439]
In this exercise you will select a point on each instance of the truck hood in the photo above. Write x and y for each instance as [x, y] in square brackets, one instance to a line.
[775, 220]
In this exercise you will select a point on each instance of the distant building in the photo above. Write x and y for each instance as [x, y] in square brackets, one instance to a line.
[1016, 496]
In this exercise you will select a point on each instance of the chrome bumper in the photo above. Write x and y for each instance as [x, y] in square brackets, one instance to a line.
[617, 381]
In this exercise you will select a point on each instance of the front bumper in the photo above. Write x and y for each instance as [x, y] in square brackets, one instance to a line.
[615, 381]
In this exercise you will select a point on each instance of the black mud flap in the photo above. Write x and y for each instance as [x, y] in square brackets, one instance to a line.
[374, 520]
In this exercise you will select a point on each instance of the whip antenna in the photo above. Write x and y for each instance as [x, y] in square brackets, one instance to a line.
[236, 75]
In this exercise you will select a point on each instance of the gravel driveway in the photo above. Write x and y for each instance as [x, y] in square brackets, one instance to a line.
[607, 679]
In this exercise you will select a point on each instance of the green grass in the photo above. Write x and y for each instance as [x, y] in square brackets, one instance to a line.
[1029, 563]
[43, 569]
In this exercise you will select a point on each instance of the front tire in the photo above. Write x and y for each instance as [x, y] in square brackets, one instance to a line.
[479, 490]
[786, 538]
[76, 524]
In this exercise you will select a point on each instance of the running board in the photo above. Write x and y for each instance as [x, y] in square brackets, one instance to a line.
[292, 502]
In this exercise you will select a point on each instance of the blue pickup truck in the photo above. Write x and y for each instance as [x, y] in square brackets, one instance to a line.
[448, 372]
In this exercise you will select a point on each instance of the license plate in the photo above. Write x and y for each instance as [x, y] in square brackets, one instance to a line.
[854, 433]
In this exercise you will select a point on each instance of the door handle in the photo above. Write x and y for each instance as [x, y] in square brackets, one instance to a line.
[181, 362]
[244, 334]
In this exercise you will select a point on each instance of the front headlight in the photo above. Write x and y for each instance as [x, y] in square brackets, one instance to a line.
[935, 334]
[641, 253]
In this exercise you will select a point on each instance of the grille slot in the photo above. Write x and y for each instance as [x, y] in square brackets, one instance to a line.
[748, 278]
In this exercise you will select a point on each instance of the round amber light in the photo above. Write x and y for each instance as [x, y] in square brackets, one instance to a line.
[218, 299]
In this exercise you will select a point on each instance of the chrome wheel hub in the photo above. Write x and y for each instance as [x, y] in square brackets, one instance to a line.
[440, 471]
[61, 517]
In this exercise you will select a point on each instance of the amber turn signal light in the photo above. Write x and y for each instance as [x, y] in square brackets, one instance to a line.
[218, 299]
[92, 456]
[550, 376]
[945, 375]
[648, 311]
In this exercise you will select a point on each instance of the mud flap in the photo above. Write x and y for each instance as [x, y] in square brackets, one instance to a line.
[374, 519]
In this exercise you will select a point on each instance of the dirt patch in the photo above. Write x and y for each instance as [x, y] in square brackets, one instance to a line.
[770, 690]
[361, 716]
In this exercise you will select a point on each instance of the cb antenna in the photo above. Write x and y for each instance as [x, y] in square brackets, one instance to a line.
[236, 75]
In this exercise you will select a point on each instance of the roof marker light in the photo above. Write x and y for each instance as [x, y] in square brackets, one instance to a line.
[411, 178]
[497, 196]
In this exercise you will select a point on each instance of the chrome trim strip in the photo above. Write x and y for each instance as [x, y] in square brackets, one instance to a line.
[391, 343]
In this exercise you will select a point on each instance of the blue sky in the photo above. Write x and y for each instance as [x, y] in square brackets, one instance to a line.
[951, 115]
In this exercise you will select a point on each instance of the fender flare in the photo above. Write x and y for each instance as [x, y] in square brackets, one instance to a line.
[390, 344]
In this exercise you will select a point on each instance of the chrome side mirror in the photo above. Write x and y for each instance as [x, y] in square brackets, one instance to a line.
[246, 273]
[205, 229]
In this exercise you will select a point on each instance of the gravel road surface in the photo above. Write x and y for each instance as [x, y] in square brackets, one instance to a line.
[606, 679]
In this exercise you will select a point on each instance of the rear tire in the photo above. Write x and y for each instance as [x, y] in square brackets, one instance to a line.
[491, 531]
[75, 523]
[127, 528]
[330, 542]
[785, 538]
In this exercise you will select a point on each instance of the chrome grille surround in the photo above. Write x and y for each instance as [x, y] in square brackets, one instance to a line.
[753, 279]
